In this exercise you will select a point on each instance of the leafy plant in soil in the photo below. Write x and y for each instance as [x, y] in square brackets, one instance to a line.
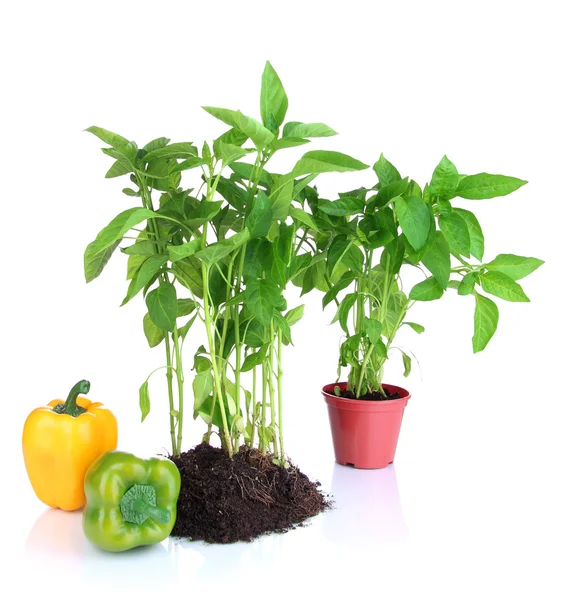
[213, 234]
[364, 239]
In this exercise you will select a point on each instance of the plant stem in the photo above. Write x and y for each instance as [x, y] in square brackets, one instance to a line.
[154, 230]
[263, 406]
[217, 375]
[180, 380]
[254, 394]
[169, 376]
[272, 391]
[280, 395]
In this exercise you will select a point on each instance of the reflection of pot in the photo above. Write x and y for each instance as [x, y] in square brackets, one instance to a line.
[365, 432]
[367, 508]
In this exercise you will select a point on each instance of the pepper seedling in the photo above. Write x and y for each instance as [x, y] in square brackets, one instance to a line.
[364, 240]
[222, 248]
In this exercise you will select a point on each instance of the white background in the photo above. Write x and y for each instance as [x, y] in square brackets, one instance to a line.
[471, 507]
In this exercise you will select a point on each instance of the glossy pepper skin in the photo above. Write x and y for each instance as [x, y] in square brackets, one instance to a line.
[130, 501]
[61, 441]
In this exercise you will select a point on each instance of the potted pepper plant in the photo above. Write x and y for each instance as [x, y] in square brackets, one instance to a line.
[364, 240]
[220, 245]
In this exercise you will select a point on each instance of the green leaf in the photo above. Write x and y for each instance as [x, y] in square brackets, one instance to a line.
[407, 361]
[483, 186]
[348, 205]
[415, 326]
[466, 286]
[144, 275]
[438, 260]
[455, 230]
[126, 153]
[307, 130]
[185, 306]
[262, 297]
[486, 318]
[474, 231]
[94, 264]
[282, 327]
[281, 197]
[217, 251]
[134, 263]
[326, 161]
[184, 329]
[254, 359]
[298, 214]
[282, 254]
[108, 237]
[260, 135]
[427, 290]
[389, 192]
[294, 315]
[444, 180]
[344, 308]
[202, 387]
[154, 335]
[414, 189]
[144, 400]
[414, 218]
[246, 171]
[142, 248]
[380, 349]
[177, 150]
[190, 163]
[155, 144]
[287, 142]
[346, 279]
[188, 272]
[229, 153]
[188, 249]
[302, 184]
[119, 167]
[273, 99]
[501, 285]
[392, 256]
[514, 266]
[163, 306]
[386, 171]
[206, 211]
[260, 218]
[113, 139]
[343, 250]
[373, 329]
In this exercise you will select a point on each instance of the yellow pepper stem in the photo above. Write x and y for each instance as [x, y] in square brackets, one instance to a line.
[70, 407]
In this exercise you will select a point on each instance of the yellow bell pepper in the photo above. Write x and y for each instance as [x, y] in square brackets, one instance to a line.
[61, 441]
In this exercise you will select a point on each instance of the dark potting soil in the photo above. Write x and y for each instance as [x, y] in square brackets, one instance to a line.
[225, 500]
[376, 396]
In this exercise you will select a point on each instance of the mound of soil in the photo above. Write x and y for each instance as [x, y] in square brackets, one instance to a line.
[375, 396]
[225, 500]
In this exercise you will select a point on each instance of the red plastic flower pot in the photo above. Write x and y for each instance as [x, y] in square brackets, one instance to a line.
[365, 432]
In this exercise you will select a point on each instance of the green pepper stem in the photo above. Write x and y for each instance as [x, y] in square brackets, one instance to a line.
[70, 407]
[160, 515]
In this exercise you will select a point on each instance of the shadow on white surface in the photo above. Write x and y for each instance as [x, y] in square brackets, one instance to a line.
[367, 509]
[366, 516]
[57, 544]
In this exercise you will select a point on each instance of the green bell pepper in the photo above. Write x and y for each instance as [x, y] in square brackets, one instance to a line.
[130, 501]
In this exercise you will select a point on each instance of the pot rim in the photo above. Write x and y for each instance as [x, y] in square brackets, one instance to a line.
[404, 395]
